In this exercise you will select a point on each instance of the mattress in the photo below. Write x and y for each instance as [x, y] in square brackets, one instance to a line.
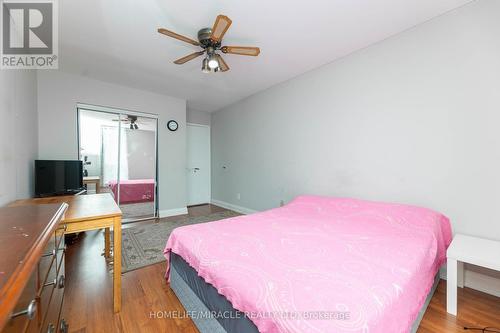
[133, 190]
[321, 264]
[213, 313]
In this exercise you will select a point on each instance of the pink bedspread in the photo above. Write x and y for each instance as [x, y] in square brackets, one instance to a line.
[133, 190]
[362, 266]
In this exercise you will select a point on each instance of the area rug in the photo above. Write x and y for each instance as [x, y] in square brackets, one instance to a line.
[143, 245]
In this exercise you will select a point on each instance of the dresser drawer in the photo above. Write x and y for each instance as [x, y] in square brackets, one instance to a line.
[61, 251]
[46, 264]
[26, 310]
[43, 288]
[51, 322]
[46, 294]
[48, 274]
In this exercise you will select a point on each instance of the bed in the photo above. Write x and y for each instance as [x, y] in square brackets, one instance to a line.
[133, 190]
[318, 264]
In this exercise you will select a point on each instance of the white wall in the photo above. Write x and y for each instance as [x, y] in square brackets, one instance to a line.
[413, 119]
[18, 134]
[198, 117]
[58, 95]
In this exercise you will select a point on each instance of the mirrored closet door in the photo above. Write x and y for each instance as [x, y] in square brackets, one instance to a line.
[119, 152]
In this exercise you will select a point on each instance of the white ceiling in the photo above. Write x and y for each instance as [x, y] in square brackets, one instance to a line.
[116, 40]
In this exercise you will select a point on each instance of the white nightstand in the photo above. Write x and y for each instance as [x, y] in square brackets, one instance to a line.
[471, 250]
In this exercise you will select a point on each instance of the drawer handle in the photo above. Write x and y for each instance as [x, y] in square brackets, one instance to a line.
[30, 311]
[58, 282]
[53, 252]
[61, 281]
[51, 328]
[50, 254]
[63, 327]
[62, 248]
[50, 283]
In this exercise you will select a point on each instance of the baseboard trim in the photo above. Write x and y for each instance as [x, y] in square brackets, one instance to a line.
[478, 281]
[482, 282]
[173, 212]
[236, 208]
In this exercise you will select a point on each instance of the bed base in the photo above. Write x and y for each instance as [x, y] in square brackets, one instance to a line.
[191, 289]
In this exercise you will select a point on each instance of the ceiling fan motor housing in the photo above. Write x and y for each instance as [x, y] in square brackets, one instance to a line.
[205, 40]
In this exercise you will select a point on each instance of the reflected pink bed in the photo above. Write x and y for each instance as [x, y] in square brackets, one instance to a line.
[133, 190]
[366, 266]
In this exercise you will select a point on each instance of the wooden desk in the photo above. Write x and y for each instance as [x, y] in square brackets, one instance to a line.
[90, 212]
[96, 180]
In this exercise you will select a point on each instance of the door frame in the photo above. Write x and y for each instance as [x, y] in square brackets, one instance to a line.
[209, 157]
[120, 112]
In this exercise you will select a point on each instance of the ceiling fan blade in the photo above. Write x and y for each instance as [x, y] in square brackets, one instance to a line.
[177, 36]
[191, 56]
[222, 23]
[241, 50]
[222, 64]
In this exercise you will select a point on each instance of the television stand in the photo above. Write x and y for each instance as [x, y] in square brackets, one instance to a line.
[60, 194]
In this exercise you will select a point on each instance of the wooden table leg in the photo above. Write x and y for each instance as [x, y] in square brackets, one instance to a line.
[107, 242]
[117, 264]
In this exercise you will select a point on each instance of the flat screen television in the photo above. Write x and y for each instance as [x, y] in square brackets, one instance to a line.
[58, 177]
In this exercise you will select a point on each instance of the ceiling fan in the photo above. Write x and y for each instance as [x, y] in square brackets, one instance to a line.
[132, 120]
[210, 40]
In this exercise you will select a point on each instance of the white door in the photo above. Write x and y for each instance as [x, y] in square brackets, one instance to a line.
[198, 164]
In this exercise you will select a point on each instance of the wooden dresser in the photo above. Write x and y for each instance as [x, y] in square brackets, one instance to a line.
[32, 268]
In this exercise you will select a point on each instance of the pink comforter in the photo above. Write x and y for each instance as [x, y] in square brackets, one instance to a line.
[133, 190]
[361, 266]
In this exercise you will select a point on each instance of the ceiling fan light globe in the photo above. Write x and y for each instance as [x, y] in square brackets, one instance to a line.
[213, 63]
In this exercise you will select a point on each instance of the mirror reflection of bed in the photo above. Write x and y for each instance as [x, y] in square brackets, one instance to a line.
[120, 150]
[136, 196]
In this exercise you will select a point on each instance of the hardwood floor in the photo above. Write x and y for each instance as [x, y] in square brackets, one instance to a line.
[88, 301]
